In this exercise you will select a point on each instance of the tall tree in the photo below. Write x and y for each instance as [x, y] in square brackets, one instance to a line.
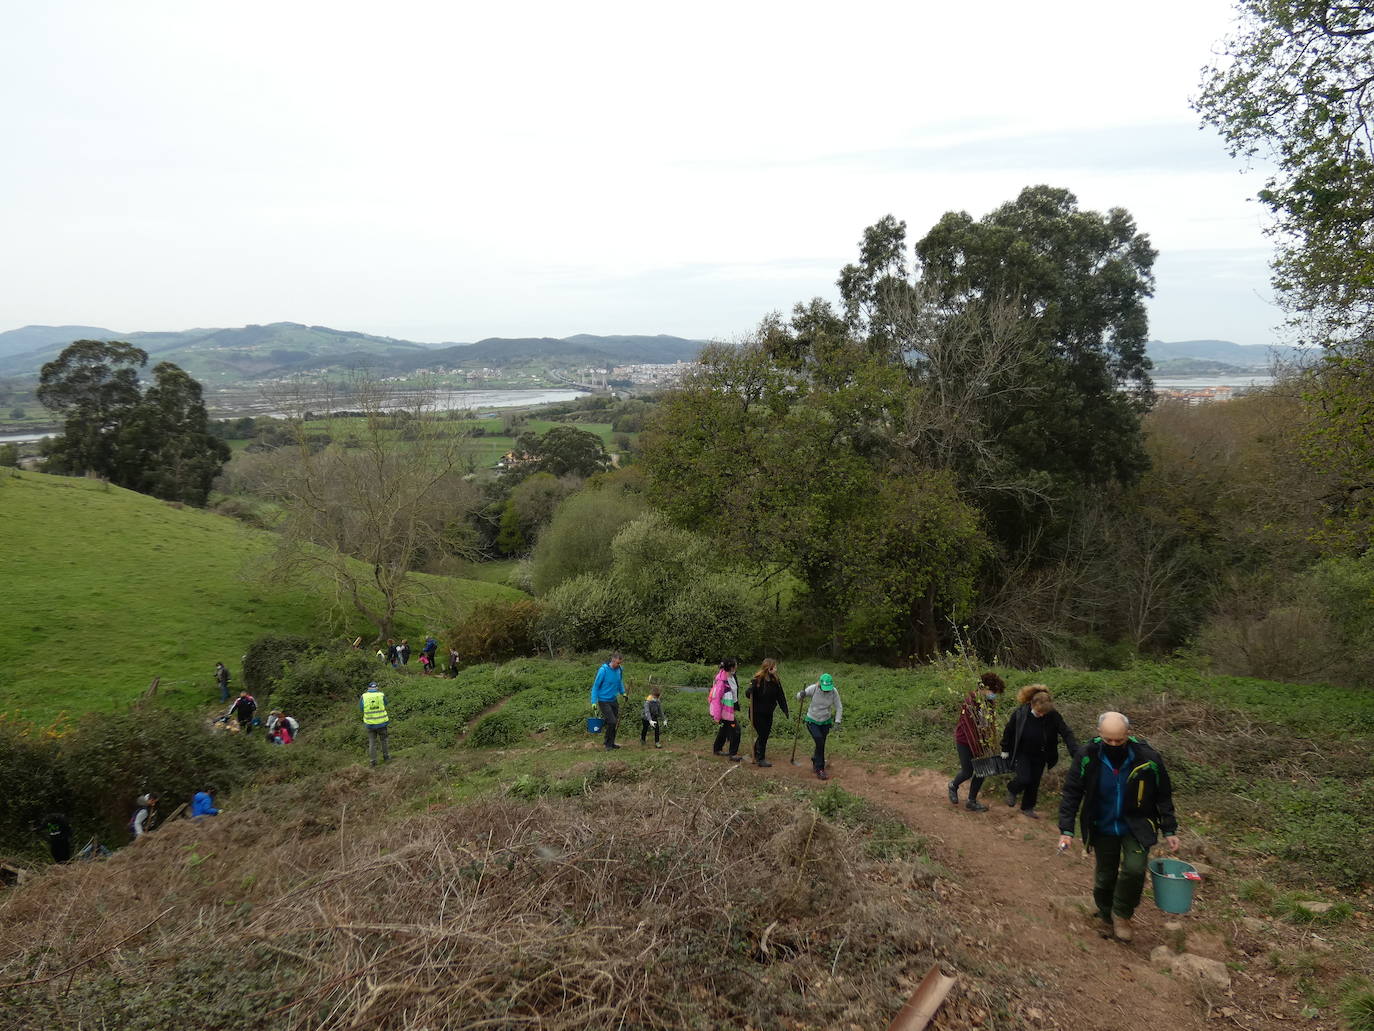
[369, 499]
[93, 385]
[781, 449]
[164, 446]
[1078, 281]
[1295, 85]
[155, 441]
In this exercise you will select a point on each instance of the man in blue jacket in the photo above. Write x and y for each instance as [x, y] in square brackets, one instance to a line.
[606, 692]
[1127, 801]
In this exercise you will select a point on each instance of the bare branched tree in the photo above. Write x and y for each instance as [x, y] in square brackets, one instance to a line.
[371, 489]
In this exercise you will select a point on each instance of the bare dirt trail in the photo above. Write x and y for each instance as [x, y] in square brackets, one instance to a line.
[1014, 901]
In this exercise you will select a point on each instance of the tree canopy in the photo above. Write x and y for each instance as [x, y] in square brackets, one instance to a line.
[155, 441]
[1294, 85]
[970, 386]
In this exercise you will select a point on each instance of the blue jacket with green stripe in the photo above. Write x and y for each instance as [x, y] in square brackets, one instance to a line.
[1147, 803]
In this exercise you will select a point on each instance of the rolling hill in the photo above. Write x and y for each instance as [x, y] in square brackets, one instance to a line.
[1248, 357]
[222, 357]
[106, 589]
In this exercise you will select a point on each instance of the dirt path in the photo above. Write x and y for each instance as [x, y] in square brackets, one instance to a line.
[1014, 904]
[496, 706]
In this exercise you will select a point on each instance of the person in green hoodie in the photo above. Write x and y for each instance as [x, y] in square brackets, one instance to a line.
[823, 713]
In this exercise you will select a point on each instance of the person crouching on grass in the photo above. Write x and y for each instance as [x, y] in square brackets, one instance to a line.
[652, 716]
[1127, 800]
[822, 714]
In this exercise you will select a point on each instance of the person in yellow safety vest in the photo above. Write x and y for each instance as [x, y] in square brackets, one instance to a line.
[373, 705]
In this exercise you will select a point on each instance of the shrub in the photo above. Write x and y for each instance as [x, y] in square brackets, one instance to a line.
[267, 657]
[578, 540]
[316, 681]
[496, 730]
[706, 621]
[34, 782]
[582, 614]
[110, 759]
[498, 630]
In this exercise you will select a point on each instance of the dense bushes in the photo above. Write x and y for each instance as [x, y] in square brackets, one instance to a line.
[314, 681]
[578, 540]
[665, 596]
[1316, 626]
[497, 630]
[267, 656]
[95, 771]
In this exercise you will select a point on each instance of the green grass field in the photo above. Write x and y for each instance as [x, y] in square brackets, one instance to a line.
[105, 589]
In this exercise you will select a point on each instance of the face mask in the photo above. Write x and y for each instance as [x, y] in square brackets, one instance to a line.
[1116, 753]
[990, 695]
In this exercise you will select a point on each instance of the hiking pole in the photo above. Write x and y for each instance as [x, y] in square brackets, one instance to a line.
[796, 733]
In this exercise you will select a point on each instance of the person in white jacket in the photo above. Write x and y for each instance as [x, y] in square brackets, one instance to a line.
[824, 712]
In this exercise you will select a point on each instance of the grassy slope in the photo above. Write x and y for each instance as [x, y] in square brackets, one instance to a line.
[1240, 751]
[105, 589]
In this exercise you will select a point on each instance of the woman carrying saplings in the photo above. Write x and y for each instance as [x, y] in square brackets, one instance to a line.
[973, 737]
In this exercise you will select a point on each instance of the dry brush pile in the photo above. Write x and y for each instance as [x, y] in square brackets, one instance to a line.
[674, 899]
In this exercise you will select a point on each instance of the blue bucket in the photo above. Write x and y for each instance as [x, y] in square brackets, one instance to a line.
[594, 724]
[1173, 887]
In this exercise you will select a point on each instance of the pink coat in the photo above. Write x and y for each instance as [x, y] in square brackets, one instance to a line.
[713, 699]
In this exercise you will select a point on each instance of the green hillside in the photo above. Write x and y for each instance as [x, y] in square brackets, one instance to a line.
[105, 589]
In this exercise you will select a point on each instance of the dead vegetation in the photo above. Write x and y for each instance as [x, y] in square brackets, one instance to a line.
[679, 899]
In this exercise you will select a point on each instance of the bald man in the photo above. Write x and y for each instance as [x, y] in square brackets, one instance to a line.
[1123, 790]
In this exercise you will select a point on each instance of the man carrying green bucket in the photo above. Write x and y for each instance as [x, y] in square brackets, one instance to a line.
[1126, 798]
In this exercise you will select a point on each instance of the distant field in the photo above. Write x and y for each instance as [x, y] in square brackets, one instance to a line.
[487, 449]
[105, 589]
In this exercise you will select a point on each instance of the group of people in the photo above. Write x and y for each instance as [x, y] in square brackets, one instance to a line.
[1116, 793]
[763, 697]
[397, 655]
[280, 728]
[145, 817]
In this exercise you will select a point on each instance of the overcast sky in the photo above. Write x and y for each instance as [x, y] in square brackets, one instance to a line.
[451, 171]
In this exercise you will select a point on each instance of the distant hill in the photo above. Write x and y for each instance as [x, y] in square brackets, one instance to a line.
[1245, 357]
[224, 356]
[1166, 367]
[38, 338]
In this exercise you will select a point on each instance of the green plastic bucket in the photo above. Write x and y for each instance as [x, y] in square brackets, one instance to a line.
[1173, 888]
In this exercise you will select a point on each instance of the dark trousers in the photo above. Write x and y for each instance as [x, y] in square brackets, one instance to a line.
[610, 713]
[727, 732]
[763, 726]
[1025, 781]
[644, 732]
[375, 736]
[1119, 877]
[245, 722]
[224, 690]
[819, 732]
[966, 772]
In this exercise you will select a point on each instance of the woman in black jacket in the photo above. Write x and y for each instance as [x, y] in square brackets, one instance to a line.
[765, 695]
[1031, 741]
